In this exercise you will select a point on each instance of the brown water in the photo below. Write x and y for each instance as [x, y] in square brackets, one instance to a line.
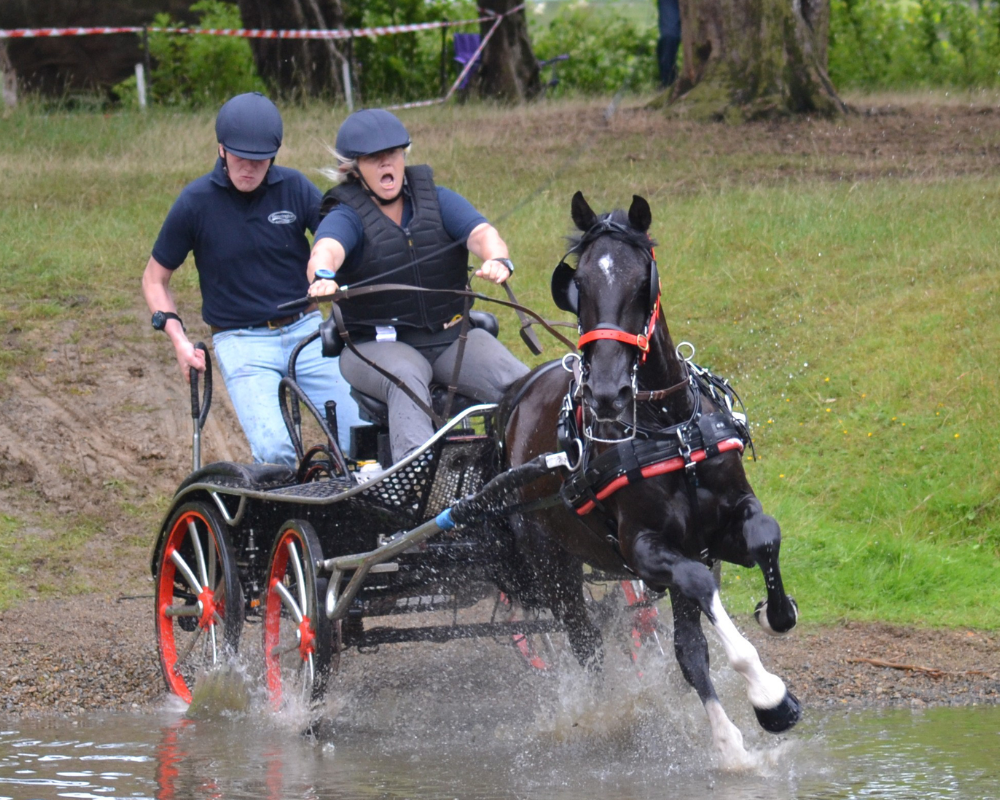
[587, 748]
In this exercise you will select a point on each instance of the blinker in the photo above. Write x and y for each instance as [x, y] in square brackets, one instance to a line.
[564, 290]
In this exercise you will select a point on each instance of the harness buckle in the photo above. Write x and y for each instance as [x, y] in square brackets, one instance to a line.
[683, 448]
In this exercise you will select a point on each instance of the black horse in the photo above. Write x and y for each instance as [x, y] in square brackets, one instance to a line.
[659, 487]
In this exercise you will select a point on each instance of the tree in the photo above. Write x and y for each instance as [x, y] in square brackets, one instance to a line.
[297, 67]
[509, 70]
[751, 59]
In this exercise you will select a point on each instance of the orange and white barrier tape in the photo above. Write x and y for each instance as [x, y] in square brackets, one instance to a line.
[245, 33]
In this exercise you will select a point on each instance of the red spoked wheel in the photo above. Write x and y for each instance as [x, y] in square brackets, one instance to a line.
[298, 637]
[536, 649]
[643, 617]
[199, 608]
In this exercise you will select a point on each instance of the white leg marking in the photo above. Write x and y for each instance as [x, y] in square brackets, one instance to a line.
[762, 620]
[726, 737]
[764, 689]
[607, 264]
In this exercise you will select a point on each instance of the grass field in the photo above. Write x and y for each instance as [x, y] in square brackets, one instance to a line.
[843, 275]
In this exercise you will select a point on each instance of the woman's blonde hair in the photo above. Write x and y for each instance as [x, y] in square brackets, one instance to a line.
[347, 168]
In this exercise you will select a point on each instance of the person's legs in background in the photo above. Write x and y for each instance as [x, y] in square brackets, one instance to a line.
[670, 40]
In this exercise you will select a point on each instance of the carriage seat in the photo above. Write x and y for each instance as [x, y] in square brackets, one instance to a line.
[376, 412]
[234, 475]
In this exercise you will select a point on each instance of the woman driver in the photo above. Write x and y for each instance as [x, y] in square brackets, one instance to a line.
[389, 219]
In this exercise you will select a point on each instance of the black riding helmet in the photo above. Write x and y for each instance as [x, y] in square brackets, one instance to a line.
[371, 130]
[249, 126]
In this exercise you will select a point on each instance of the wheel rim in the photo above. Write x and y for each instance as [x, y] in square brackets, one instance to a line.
[536, 650]
[191, 601]
[290, 622]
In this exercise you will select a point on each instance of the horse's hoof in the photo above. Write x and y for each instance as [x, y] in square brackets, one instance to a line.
[777, 627]
[782, 717]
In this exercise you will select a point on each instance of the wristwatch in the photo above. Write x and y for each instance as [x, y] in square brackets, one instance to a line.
[160, 318]
[324, 275]
[507, 263]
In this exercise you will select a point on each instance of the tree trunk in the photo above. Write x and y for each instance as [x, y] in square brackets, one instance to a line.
[296, 67]
[8, 78]
[753, 59]
[508, 70]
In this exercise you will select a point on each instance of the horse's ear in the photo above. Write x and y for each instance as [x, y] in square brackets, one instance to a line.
[583, 214]
[639, 215]
[564, 291]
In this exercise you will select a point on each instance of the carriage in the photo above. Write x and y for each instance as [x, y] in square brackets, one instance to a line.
[311, 556]
[621, 463]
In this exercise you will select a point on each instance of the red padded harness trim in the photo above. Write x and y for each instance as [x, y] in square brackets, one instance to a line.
[659, 468]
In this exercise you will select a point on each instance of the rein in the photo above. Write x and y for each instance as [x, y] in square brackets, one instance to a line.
[529, 337]
[357, 291]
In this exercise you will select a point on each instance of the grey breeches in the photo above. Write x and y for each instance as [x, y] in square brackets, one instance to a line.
[487, 369]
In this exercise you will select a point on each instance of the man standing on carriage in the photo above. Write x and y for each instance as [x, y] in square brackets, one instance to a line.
[389, 221]
[246, 223]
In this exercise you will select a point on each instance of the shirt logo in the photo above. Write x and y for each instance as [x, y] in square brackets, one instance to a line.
[281, 218]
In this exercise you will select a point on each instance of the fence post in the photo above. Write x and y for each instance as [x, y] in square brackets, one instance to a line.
[345, 69]
[140, 85]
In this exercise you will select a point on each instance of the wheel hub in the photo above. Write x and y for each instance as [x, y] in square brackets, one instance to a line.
[307, 639]
[206, 600]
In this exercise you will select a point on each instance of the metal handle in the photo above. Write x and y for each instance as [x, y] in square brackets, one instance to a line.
[200, 404]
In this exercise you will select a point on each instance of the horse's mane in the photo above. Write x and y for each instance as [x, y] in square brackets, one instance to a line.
[619, 229]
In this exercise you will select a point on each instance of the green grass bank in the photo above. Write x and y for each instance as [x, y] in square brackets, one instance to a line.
[843, 276]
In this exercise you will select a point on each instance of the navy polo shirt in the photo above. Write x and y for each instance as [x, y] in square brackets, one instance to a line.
[458, 216]
[250, 248]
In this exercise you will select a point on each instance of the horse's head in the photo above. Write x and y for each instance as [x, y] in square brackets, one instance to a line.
[614, 291]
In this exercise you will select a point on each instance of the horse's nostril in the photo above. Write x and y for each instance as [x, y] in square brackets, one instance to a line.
[604, 402]
[623, 398]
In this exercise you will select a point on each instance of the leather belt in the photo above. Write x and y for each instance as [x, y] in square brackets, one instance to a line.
[272, 324]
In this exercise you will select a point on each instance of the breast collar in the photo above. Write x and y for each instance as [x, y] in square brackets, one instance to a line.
[652, 452]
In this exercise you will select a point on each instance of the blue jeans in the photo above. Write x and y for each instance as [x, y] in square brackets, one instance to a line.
[254, 360]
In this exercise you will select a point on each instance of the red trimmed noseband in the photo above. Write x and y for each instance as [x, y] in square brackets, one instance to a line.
[640, 340]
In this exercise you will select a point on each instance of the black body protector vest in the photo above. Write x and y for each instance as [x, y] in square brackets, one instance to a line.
[388, 246]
